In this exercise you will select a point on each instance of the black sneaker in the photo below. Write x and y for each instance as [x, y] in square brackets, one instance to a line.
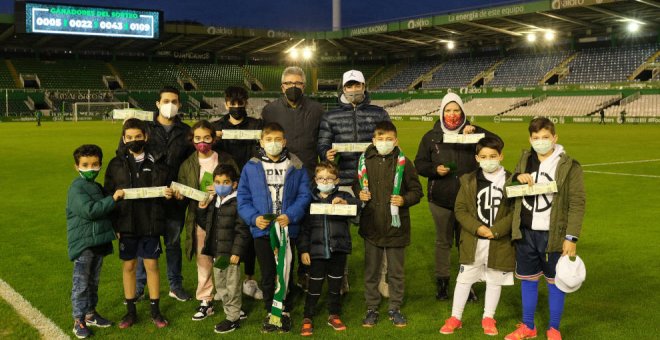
[397, 318]
[286, 323]
[80, 330]
[268, 327]
[95, 319]
[371, 319]
[204, 310]
[227, 326]
[180, 294]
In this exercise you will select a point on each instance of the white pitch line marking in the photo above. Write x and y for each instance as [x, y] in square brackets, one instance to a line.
[624, 162]
[46, 327]
[620, 174]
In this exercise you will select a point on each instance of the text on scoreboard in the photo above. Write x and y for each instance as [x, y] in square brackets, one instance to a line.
[81, 20]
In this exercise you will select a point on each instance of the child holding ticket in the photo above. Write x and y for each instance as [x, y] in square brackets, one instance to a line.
[324, 244]
[197, 172]
[545, 226]
[139, 223]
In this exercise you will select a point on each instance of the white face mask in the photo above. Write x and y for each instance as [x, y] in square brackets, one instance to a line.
[273, 148]
[490, 165]
[168, 110]
[325, 187]
[542, 146]
[384, 147]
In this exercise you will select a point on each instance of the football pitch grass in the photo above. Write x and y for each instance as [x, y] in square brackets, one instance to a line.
[619, 299]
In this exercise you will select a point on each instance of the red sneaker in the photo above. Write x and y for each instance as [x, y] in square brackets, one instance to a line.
[553, 334]
[488, 324]
[336, 323]
[522, 332]
[450, 325]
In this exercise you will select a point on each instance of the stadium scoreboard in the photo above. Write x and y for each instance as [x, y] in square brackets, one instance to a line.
[34, 17]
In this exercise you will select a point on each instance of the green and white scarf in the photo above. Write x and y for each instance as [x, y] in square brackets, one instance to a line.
[279, 241]
[363, 179]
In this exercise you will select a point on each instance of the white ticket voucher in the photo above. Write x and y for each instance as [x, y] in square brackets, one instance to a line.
[139, 193]
[126, 114]
[471, 138]
[241, 134]
[536, 189]
[350, 147]
[189, 192]
[333, 209]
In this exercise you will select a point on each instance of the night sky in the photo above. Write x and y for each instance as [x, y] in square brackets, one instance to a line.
[301, 15]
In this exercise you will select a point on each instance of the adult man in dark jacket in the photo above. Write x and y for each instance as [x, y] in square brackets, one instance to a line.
[352, 122]
[298, 115]
[169, 135]
[443, 164]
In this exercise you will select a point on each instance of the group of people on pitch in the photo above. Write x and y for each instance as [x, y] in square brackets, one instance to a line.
[259, 207]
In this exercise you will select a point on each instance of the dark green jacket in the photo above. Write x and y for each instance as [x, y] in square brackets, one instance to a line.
[501, 252]
[376, 219]
[189, 175]
[88, 221]
[567, 206]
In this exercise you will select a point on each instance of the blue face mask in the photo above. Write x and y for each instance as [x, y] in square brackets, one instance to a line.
[223, 190]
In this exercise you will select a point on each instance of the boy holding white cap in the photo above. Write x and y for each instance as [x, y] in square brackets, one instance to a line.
[546, 226]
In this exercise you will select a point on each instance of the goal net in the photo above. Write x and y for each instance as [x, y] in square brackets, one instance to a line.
[96, 110]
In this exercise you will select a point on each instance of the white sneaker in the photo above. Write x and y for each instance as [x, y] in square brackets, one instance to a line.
[205, 309]
[250, 288]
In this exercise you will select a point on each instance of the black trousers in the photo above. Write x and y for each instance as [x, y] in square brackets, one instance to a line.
[333, 269]
[268, 268]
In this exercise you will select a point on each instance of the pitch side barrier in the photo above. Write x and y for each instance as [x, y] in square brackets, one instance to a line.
[524, 119]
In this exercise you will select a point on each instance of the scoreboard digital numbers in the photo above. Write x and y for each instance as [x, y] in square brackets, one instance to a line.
[94, 21]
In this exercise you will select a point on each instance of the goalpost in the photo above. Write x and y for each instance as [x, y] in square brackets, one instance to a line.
[96, 110]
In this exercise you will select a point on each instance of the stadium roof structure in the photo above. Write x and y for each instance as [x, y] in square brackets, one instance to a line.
[482, 29]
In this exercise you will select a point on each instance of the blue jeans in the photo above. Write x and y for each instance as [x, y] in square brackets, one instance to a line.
[86, 275]
[172, 237]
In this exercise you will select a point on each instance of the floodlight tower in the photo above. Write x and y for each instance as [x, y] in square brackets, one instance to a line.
[336, 15]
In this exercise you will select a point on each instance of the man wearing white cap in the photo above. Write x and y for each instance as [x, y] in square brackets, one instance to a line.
[353, 121]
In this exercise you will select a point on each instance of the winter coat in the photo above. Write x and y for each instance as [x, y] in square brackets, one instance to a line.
[88, 221]
[143, 217]
[254, 198]
[322, 235]
[240, 150]
[376, 219]
[226, 233]
[348, 124]
[501, 252]
[301, 127]
[189, 175]
[568, 203]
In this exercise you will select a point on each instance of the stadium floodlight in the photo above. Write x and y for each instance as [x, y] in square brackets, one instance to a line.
[293, 53]
[549, 35]
[531, 37]
[633, 26]
[307, 53]
[451, 45]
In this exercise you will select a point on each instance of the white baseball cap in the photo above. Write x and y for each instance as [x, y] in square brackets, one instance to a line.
[352, 75]
[570, 274]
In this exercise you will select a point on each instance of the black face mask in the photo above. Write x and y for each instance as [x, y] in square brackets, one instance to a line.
[136, 146]
[238, 113]
[293, 94]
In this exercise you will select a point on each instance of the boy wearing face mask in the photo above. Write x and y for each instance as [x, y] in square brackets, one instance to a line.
[486, 251]
[388, 186]
[545, 227]
[197, 172]
[139, 223]
[443, 164]
[89, 237]
[274, 184]
[226, 241]
[324, 244]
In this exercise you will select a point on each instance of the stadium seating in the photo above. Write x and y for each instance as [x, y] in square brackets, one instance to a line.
[215, 77]
[644, 106]
[599, 65]
[526, 69]
[336, 71]
[65, 74]
[147, 76]
[6, 81]
[563, 106]
[459, 72]
[409, 74]
[269, 76]
[416, 107]
[254, 107]
[491, 106]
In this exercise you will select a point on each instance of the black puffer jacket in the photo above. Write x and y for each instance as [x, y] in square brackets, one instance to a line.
[226, 233]
[348, 124]
[432, 152]
[301, 127]
[322, 235]
[143, 217]
[240, 150]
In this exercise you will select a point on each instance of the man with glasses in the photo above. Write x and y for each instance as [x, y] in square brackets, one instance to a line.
[298, 115]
